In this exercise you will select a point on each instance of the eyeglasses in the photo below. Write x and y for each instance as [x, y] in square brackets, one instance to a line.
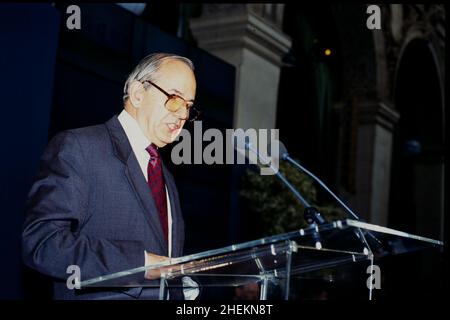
[175, 103]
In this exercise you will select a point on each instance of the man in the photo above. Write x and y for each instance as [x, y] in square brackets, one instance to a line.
[102, 199]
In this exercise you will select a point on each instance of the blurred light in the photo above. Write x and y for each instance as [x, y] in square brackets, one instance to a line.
[327, 52]
[412, 147]
[136, 8]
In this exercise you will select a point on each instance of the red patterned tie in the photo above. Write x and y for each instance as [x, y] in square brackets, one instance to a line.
[157, 186]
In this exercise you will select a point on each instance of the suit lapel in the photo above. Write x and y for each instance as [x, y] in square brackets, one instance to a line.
[175, 214]
[137, 180]
[133, 172]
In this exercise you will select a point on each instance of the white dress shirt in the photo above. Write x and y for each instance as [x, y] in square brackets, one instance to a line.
[139, 142]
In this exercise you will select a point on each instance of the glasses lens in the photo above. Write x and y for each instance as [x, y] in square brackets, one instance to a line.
[178, 106]
[174, 104]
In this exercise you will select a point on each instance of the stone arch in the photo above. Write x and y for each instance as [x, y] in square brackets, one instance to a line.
[418, 32]
[417, 198]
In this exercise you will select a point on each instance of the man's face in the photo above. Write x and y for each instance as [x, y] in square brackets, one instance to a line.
[159, 124]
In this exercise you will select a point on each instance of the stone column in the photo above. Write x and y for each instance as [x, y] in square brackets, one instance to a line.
[373, 159]
[249, 37]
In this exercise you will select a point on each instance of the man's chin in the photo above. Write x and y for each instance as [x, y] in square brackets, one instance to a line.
[169, 137]
[166, 140]
[174, 136]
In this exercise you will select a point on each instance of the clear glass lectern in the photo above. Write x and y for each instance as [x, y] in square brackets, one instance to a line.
[275, 263]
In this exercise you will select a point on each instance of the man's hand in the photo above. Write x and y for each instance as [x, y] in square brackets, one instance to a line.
[150, 259]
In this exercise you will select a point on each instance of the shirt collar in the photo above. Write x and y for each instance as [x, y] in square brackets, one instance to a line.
[139, 142]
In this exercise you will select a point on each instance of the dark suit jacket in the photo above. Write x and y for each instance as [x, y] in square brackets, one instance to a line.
[90, 206]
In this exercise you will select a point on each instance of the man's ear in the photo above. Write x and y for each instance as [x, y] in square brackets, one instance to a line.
[136, 95]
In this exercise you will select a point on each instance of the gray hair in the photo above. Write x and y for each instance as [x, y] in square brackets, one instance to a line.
[148, 68]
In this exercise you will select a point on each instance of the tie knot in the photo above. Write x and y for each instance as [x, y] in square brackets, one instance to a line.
[152, 151]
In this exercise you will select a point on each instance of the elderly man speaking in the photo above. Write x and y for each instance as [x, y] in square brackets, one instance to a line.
[102, 199]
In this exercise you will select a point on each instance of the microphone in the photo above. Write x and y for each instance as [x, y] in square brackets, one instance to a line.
[311, 214]
[284, 155]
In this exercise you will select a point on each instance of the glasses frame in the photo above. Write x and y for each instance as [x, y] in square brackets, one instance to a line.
[171, 96]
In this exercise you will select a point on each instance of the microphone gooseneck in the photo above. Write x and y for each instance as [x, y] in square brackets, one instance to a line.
[311, 214]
